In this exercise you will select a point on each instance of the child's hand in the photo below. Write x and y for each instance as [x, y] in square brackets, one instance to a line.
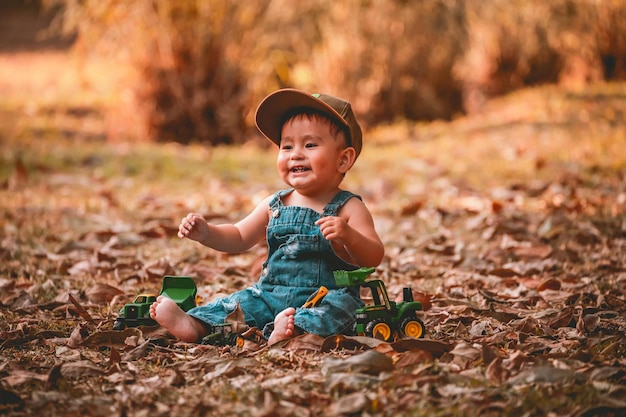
[333, 228]
[194, 227]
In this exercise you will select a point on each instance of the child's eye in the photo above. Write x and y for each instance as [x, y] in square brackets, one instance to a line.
[311, 145]
[286, 147]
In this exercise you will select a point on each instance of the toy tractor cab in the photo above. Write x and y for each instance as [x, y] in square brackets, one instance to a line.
[137, 313]
[384, 319]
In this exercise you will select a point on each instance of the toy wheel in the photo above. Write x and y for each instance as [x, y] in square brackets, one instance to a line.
[378, 329]
[412, 327]
[118, 325]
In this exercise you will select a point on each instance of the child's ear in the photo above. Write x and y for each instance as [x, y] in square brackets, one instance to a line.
[348, 156]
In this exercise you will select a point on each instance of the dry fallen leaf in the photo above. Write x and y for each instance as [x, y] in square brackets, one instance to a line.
[369, 362]
[101, 293]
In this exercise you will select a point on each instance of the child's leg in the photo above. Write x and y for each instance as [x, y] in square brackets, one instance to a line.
[167, 313]
[334, 315]
[283, 326]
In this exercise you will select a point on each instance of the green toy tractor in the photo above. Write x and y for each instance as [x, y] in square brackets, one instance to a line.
[384, 319]
[137, 313]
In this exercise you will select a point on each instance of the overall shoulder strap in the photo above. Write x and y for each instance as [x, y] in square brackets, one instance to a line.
[275, 201]
[338, 201]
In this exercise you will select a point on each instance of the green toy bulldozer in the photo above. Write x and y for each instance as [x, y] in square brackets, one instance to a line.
[384, 319]
[137, 313]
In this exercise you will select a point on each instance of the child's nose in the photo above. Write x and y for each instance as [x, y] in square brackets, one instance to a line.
[297, 152]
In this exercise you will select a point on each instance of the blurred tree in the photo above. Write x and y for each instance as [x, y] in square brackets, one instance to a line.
[206, 63]
[188, 54]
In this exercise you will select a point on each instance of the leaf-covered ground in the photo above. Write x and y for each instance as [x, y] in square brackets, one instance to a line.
[510, 226]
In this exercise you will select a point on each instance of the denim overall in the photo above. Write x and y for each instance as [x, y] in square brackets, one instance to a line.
[299, 261]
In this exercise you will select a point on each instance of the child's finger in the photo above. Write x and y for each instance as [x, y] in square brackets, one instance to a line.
[322, 221]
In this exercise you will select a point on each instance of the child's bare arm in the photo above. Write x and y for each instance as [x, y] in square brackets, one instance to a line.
[353, 234]
[233, 238]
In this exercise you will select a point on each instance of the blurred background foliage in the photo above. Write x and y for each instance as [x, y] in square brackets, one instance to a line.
[203, 65]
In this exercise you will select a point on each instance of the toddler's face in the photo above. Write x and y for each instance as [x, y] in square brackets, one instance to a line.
[311, 158]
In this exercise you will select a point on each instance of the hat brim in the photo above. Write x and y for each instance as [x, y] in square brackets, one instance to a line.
[271, 113]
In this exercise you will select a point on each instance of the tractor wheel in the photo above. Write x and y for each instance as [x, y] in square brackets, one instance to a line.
[412, 327]
[118, 325]
[379, 329]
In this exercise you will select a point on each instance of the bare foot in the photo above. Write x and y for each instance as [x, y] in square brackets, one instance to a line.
[167, 313]
[283, 326]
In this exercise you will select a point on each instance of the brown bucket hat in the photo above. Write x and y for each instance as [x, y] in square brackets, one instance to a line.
[273, 109]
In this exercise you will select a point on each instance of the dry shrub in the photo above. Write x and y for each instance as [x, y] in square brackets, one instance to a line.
[192, 90]
[190, 57]
[513, 44]
[391, 59]
[205, 64]
[439, 58]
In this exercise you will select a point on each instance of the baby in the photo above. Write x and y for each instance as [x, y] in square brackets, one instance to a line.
[311, 228]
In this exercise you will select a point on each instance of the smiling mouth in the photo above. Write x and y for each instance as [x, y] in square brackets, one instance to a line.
[300, 169]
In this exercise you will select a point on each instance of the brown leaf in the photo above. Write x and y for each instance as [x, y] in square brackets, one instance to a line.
[307, 341]
[562, 319]
[530, 325]
[515, 361]
[411, 208]
[413, 357]
[81, 267]
[350, 404]
[80, 369]
[80, 309]
[100, 293]
[118, 377]
[77, 337]
[137, 352]
[549, 284]
[53, 377]
[238, 320]
[495, 372]
[111, 337]
[157, 269]
[114, 357]
[587, 323]
[369, 362]
[488, 354]
[231, 368]
[503, 272]
[436, 347]
[466, 351]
